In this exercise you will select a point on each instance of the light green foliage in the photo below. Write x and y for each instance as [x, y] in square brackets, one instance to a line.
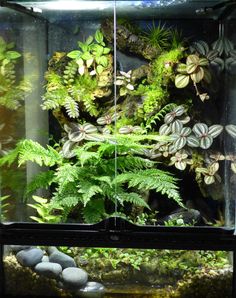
[42, 206]
[90, 181]
[160, 262]
[154, 90]
[12, 89]
[3, 207]
[77, 80]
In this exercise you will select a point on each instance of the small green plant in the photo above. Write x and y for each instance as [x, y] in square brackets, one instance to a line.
[90, 182]
[194, 70]
[3, 208]
[42, 206]
[12, 89]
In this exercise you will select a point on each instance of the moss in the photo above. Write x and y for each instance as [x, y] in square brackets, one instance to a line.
[22, 281]
[206, 283]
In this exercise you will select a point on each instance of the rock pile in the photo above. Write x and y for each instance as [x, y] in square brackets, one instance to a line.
[59, 266]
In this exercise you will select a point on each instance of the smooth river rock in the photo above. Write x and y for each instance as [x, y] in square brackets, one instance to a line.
[17, 248]
[51, 270]
[92, 289]
[64, 260]
[74, 278]
[45, 259]
[29, 257]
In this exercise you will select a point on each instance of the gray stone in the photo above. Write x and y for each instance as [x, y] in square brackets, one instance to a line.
[45, 259]
[74, 278]
[51, 270]
[16, 248]
[91, 290]
[63, 259]
[29, 257]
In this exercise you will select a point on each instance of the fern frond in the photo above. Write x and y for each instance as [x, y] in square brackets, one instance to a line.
[65, 174]
[71, 107]
[10, 157]
[30, 150]
[94, 211]
[152, 179]
[86, 157]
[42, 180]
[151, 121]
[88, 191]
[133, 198]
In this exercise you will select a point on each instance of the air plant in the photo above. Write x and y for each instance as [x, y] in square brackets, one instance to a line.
[158, 36]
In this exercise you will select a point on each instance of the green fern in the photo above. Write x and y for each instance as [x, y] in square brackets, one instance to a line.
[152, 179]
[42, 180]
[151, 121]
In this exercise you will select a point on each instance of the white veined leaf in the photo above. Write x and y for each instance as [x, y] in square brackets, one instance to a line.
[130, 87]
[200, 129]
[231, 130]
[206, 142]
[180, 165]
[209, 179]
[164, 130]
[180, 143]
[215, 130]
[176, 126]
[192, 141]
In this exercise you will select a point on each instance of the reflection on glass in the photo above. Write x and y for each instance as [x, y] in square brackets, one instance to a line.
[111, 272]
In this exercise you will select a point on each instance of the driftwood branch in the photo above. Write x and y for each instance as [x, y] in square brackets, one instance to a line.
[128, 42]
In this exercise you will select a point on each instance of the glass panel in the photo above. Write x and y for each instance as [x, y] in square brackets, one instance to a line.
[73, 175]
[156, 147]
[111, 272]
[175, 79]
[22, 63]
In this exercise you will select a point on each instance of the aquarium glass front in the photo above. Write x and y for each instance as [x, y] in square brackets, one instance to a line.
[118, 108]
[112, 272]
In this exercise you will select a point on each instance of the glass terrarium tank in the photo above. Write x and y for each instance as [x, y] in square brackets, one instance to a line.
[122, 112]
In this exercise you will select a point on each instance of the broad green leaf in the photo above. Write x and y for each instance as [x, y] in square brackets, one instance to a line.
[11, 55]
[74, 54]
[97, 50]
[89, 62]
[86, 56]
[80, 61]
[99, 36]
[99, 69]
[106, 51]
[102, 60]
[181, 80]
[89, 40]
[84, 47]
